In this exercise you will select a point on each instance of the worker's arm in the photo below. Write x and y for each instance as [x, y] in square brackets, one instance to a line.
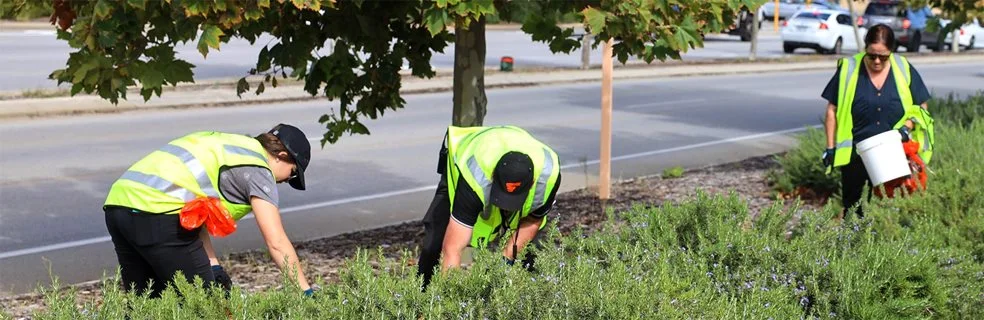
[830, 124]
[281, 249]
[456, 239]
[528, 228]
[207, 242]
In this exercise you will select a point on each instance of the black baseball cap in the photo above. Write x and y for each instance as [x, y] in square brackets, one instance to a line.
[298, 148]
[511, 181]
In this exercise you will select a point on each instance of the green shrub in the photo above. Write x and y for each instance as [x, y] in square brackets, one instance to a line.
[802, 167]
[957, 110]
[920, 256]
[673, 173]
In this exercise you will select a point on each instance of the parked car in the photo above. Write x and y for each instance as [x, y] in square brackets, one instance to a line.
[787, 8]
[891, 13]
[826, 31]
[743, 25]
[969, 35]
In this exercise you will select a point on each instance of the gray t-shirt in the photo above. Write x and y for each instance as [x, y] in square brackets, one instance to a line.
[238, 184]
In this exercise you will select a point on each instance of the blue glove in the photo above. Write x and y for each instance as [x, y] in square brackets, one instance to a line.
[904, 131]
[828, 157]
[509, 262]
[309, 292]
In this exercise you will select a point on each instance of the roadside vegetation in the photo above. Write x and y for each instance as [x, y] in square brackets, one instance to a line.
[914, 257]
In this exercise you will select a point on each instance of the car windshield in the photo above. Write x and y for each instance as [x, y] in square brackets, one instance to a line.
[812, 15]
[882, 9]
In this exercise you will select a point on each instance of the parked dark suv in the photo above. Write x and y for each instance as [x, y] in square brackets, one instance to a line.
[891, 13]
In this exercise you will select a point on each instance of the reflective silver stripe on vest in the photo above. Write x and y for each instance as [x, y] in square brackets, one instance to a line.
[161, 184]
[898, 62]
[845, 144]
[479, 175]
[195, 166]
[852, 63]
[541, 184]
[244, 152]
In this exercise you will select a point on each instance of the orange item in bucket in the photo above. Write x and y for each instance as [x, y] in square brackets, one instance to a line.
[208, 211]
[911, 183]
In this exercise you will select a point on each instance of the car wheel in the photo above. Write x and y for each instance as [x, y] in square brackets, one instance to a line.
[970, 46]
[837, 47]
[788, 48]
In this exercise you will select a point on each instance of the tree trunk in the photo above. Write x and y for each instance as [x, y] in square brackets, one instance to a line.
[955, 44]
[586, 51]
[755, 35]
[469, 74]
[854, 25]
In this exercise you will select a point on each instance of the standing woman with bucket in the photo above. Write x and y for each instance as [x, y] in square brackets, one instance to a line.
[161, 211]
[871, 93]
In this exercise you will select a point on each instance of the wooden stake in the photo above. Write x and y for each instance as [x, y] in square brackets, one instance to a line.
[604, 177]
[775, 16]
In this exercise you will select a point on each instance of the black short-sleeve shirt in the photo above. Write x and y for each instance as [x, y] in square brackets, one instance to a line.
[876, 111]
[467, 206]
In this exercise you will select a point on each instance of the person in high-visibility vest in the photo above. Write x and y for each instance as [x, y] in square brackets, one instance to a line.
[871, 93]
[144, 207]
[493, 180]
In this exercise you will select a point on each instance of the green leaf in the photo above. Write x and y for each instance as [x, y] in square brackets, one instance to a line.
[80, 74]
[242, 86]
[436, 21]
[179, 71]
[209, 38]
[137, 4]
[195, 8]
[103, 9]
[151, 78]
[358, 127]
[595, 19]
[263, 4]
[686, 34]
[253, 13]
[263, 62]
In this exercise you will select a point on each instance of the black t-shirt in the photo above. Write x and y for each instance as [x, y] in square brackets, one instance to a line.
[875, 111]
[467, 206]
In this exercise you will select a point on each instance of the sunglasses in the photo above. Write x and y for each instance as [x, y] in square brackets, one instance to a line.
[293, 173]
[880, 57]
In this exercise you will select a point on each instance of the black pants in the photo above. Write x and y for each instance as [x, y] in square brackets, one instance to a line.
[915, 40]
[435, 226]
[153, 247]
[854, 176]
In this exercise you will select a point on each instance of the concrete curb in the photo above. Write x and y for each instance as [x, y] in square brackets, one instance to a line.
[224, 96]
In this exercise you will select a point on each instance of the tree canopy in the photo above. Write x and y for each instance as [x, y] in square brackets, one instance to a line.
[119, 44]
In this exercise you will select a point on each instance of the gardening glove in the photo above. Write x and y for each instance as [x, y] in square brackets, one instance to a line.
[904, 131]
[309, 292]
[222, 278]
[509, 262]
[828, 157]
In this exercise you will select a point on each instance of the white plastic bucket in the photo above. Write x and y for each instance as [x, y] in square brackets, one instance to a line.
[884, 157]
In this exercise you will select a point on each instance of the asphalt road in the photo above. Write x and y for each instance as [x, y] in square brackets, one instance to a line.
[29, 56]
[54, 173]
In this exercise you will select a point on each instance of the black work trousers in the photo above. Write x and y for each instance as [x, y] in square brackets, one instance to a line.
[854, 177]
[435, 226]
[153, 247]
